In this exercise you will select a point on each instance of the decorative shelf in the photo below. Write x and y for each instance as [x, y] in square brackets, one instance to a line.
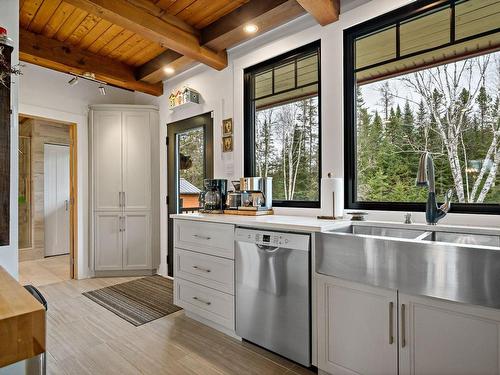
[182, 105]
[181, 98]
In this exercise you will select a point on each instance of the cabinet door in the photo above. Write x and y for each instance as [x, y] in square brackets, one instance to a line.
[137, 161]
[446, 338]
[108, 241]
[137, 241]
[107, 160]
[356, 328]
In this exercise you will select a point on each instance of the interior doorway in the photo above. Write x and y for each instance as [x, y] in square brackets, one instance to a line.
[47, 201]
[56, 199]
[190, 161]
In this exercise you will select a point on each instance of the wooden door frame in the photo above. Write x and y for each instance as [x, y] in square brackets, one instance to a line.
[73, 186]
[206, 122]
[73, 196]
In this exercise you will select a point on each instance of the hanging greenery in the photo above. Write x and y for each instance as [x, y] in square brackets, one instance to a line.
[7, 70]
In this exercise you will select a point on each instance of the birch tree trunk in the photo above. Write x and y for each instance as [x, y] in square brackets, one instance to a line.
[491, 178]
[448, 93]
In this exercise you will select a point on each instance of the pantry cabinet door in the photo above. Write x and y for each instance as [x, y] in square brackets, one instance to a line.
[107, 160]
[446, 338]
[137, 241]
[108, 241]
[137, 161]
[356, 328]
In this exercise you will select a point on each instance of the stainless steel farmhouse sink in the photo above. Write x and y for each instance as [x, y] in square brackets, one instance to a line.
[381, 231]
[453, 264]
[462, 238]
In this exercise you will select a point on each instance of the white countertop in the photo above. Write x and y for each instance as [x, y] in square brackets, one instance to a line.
[292, 223]
[312, 224]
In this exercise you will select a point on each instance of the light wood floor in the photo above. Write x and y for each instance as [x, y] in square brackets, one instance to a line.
[85, 338]
[44, 271]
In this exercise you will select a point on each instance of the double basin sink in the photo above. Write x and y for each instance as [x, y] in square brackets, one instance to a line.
[455, 264]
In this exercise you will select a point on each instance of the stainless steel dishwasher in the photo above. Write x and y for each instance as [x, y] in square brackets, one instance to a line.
[272, 272]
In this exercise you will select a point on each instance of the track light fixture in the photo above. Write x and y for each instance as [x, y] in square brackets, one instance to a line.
[90, 77]
[73, 81]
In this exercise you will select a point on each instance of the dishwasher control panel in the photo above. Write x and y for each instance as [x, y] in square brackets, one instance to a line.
[277, 239]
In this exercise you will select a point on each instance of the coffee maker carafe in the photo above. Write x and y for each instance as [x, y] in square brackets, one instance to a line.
[214, 195]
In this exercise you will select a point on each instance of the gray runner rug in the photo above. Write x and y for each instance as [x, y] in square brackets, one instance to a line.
[138, 301]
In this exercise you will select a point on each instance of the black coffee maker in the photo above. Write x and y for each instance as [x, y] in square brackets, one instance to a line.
[213, 197]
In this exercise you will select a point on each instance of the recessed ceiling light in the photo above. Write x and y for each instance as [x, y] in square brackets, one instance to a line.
[250, 28]
[169, 70]
[102, 90]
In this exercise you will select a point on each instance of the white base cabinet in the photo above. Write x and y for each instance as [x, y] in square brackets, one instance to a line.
[448, 338]
[356, 334]
[204, 272]
[363, 330]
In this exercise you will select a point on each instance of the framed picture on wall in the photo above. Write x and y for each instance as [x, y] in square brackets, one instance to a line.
[227, 143]
[227, 127]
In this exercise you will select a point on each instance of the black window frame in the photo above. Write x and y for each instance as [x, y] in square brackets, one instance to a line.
[350, 35]
[249, 118]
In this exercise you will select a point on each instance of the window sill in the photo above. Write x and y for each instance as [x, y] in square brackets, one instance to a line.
[456, 208]
[296, 204]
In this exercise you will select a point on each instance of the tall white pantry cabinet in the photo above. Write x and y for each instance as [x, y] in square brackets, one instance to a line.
[124, 189]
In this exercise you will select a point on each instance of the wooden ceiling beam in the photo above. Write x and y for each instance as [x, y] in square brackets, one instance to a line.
[153, 69]
[324, 11]
[245, 14]
[161, 13]
[226, 32]
[63, 57]
[130, 16]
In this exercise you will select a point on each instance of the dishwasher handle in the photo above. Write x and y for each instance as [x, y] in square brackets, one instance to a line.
[269, 249]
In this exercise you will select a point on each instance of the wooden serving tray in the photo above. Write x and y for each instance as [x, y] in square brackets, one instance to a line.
[249, 212]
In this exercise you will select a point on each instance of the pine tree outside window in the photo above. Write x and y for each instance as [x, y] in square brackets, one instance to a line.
[425, 77]
[282, 125]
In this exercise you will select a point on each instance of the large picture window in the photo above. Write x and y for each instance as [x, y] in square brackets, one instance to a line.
[424, 78]
[282, 125]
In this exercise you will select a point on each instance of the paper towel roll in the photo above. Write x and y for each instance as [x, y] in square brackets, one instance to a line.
[332, 195]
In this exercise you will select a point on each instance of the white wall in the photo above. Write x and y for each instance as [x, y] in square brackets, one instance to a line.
[47, 88]
[9, 19]
[222, 93]
[45, 93]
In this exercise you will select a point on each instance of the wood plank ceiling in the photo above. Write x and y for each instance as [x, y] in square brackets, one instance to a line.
[130, 43]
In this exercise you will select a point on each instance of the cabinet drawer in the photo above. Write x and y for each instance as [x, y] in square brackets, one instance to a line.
[208, 238]
[208, 303]
[207, 270]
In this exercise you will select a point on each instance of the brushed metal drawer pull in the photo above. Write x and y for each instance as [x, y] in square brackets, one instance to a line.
[202, 301]
[201, 237]
[202, 269]
[391, 322]
[403, 325]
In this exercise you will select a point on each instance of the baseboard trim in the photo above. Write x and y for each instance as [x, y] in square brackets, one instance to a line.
[213, 325]
[124, 273]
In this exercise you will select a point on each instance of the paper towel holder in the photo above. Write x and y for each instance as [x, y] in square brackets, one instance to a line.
[321, 217]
